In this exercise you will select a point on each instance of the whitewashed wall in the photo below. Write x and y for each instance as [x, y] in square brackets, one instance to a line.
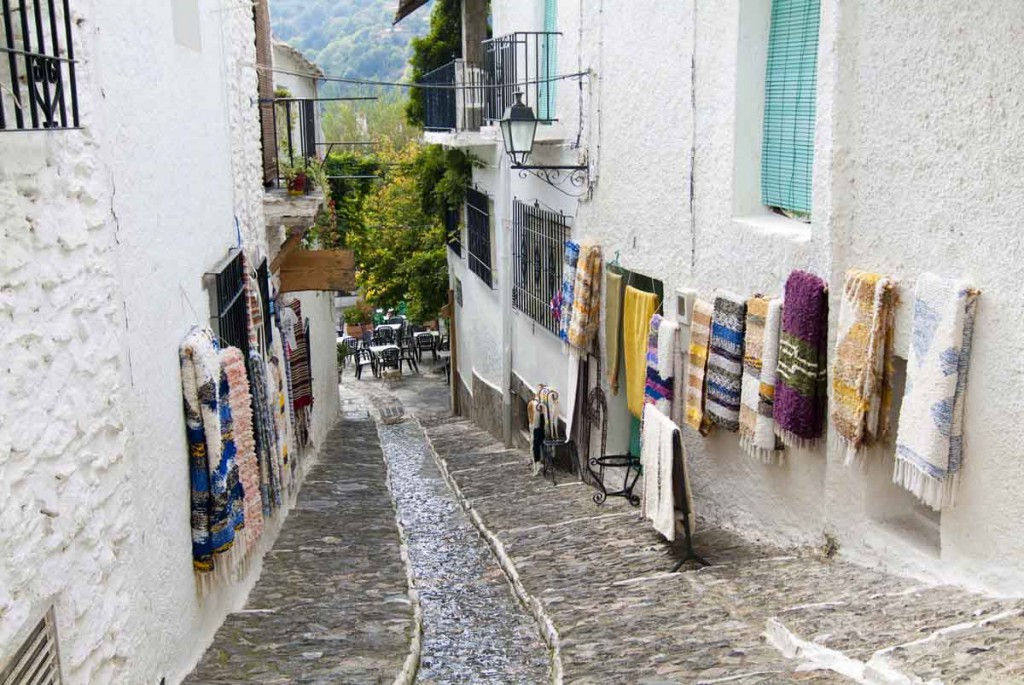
[318, 307]
[917, 167]
[108, 232]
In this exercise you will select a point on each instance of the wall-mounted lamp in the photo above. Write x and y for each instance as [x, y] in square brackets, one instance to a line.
[518, 130]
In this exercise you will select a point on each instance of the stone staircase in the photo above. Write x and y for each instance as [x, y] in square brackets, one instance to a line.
[597, 579]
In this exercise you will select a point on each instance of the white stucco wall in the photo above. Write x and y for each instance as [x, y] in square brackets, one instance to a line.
[318, 307]
[108, 232]
[917, 167]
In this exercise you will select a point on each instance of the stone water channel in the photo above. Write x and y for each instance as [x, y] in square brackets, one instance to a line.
[474, 629]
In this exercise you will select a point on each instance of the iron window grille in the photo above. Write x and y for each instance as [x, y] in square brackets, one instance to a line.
[229, 305]
[453, 229]
[37, 660]
[478, 233]
[538, 246]
[38, 90]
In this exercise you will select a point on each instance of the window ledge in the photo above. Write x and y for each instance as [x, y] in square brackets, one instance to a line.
[776, 226]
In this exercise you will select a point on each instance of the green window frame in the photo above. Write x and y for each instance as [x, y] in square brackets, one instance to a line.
[549, 62]
[787, 151]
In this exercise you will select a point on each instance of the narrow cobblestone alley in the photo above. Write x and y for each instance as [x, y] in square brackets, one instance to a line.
[332, 604]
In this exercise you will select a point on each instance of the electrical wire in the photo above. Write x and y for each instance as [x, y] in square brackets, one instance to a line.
[424, 86]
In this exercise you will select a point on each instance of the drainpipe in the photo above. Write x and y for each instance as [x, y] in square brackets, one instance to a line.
[506, 303]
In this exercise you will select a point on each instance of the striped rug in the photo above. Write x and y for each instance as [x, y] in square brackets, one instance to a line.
[725, 360]
[700, 338]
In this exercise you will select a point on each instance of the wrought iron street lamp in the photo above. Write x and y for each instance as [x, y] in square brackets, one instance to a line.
[518, 130]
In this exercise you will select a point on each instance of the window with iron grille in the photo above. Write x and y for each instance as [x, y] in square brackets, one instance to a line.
[453, 230]
[37, 660]
[478, 233]
[538, 243]
[37, 67]
[229, 305]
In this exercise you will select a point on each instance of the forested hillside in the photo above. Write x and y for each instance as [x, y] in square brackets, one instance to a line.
[349, 37]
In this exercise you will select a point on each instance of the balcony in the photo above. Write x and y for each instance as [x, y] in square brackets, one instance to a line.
[521, 62]
[464, 96]
[456, 100]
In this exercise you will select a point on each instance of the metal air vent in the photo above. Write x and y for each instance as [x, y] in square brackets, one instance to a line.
[37, 660]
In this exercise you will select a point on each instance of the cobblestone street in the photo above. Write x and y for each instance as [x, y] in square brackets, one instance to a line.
[596, 603]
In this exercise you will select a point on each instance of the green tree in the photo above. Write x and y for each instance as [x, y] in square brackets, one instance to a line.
[401, 253]
[441, 45]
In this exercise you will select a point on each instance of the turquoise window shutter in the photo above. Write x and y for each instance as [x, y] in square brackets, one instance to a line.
[549, 62]
[787, 153]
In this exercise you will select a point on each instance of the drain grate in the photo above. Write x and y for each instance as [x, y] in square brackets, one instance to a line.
[37, 661]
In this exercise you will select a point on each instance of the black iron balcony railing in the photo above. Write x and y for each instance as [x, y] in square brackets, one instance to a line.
[295, 133]
[462, 96]
[525, 62]
[456, 100]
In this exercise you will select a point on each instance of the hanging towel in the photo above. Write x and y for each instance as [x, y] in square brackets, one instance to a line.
[265, 433]
[760, 361]
[800, 397]
[862, 371]
[233, 366]
[586, 307]
[725, 360]
[216, 493]
[929, 443]
[572, 256]
[700, 339]
[661, 344]
[656, 458]
[612, 327]
[637, 310]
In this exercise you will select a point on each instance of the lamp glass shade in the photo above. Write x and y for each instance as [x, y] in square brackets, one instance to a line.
[518, 128]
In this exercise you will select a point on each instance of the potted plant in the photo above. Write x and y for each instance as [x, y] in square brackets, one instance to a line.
[295, 177]
[357, 320]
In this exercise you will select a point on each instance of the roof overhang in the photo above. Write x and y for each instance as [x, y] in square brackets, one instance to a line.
[407, 7]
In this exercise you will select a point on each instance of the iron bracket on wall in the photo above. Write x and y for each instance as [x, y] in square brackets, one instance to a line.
[557, 176]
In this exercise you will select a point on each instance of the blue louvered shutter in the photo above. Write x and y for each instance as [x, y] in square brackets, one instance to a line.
[549, 62]
[787, 154]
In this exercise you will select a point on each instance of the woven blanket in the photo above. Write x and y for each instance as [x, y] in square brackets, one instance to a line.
[760, 363]
[929, 442]
[265, 434]
[700, 340]
[216, 494]
[586, 305]
[612, 327]
[656, 458]
[800, 391]
[233, 365]
[862, 369]
[571, 259]
[725, 360]
[282, 417]
[637, 309]
[298, 362]
[661, 344]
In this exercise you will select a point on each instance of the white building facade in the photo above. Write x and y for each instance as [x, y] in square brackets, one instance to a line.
[111, 220]
[917, 160]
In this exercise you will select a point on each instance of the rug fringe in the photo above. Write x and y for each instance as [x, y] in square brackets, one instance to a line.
[774, 457]
[795, 441]
[936, 493]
